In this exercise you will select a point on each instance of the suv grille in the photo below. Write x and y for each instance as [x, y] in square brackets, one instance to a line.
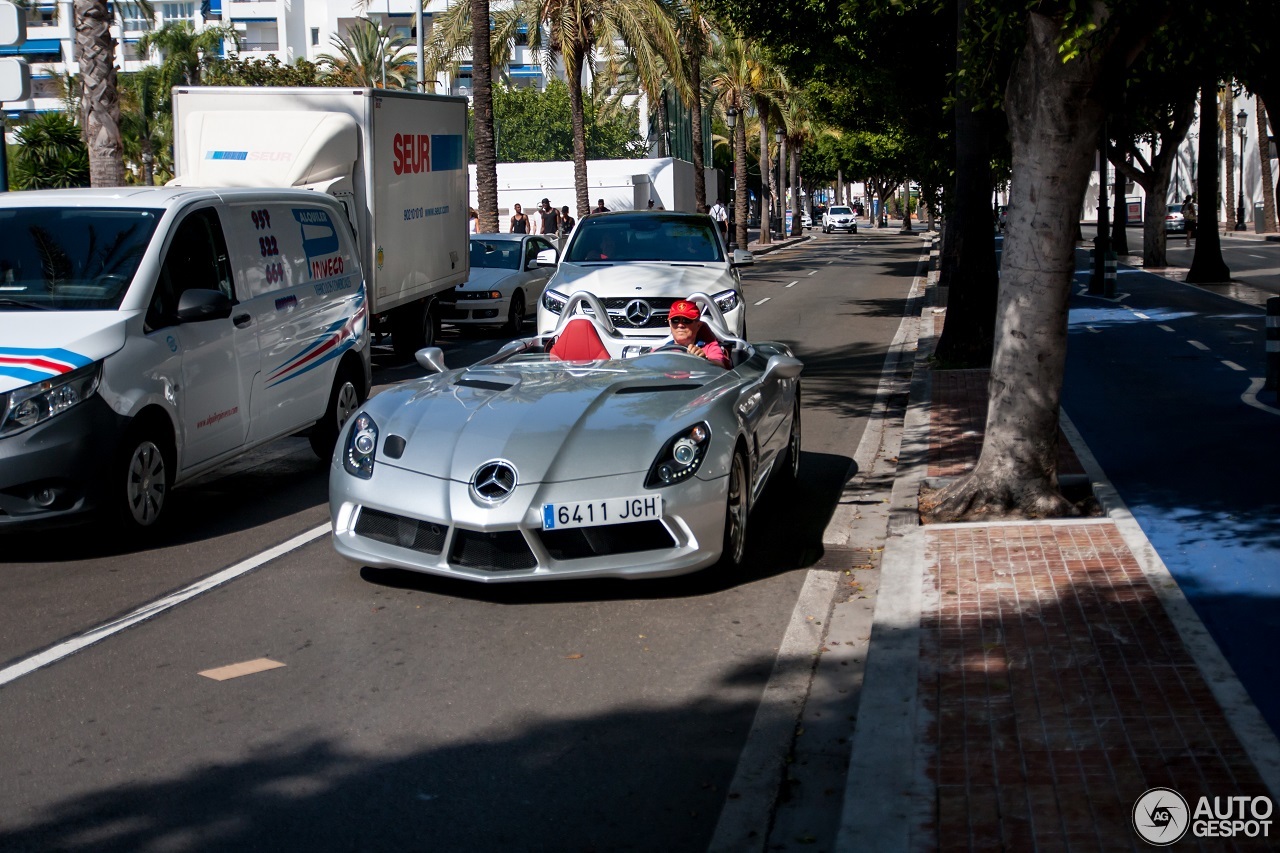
[660, 306]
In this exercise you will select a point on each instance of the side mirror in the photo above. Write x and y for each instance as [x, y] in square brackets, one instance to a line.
[783, 367]
[195, 306]
[431, 359]
[547, 258]
[742, 258]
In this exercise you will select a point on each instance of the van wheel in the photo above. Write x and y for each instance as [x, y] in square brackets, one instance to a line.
[413, 327]
[344, 399]
[515, 315]
[141, 477]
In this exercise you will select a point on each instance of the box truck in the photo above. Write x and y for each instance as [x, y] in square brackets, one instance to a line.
[395, 160]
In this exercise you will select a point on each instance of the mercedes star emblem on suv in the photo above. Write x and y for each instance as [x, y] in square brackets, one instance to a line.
[637, 312]
[493, 481]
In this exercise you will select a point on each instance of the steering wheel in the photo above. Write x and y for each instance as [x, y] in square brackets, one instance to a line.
[671, 347]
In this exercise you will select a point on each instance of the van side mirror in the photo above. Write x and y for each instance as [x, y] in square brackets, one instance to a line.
[195, 306]
[548, 258]
[430, 359]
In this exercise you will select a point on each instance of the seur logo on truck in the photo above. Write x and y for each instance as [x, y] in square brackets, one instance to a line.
[414, 153]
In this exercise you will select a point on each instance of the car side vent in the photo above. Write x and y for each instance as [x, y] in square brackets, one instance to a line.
[394, 447]
[402, 532]
[646, 389]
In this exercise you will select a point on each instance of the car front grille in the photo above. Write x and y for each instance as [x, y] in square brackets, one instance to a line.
[577, 543]
[658, 306]
[424, 536]
[503, 551]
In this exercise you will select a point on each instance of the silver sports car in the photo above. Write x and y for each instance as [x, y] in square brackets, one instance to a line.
[568, 455]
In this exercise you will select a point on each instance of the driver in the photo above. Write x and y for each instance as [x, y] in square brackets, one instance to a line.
[688, 331]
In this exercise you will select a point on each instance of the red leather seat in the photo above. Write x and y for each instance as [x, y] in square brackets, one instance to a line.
[579, 342]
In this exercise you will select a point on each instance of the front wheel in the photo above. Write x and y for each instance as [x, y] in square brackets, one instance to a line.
[141, 478]
[515, 314]
[344, 399]
[734, 548]
[790, 470]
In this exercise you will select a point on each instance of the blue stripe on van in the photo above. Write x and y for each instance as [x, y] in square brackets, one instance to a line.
[446, 152]
[226, 155]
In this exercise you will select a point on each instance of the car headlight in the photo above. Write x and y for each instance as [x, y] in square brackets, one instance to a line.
[680, 457]
[25, 407]
[362, 447]
[554, 301]
[726, 300]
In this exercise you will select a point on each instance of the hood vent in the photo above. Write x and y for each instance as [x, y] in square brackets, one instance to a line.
[484, 384]
[646, 389]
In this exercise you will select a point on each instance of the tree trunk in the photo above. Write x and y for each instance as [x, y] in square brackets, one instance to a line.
[906, 207]
[766, 175]
[573, 72]
[95, 51]
[1207, 265]
[740, 210]
[482, 105]
[1054, 120]
[1229, 163]
[782, 187]
[797, 217]
[1119, 217]
[1264, 158]
[695, 118]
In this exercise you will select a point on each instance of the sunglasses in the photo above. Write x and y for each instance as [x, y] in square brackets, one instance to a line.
[681, 321]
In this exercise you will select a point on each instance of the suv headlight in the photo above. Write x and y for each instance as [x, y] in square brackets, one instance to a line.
[726, 300]
[680, 457]
[25, 407]
[554, 301]
[362, 447]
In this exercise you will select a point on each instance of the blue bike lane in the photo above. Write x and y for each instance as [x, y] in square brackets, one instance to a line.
[1159, 382]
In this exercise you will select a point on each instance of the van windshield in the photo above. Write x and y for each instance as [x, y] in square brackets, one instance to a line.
[70, 258]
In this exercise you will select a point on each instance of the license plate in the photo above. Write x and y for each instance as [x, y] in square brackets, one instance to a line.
[592, 513]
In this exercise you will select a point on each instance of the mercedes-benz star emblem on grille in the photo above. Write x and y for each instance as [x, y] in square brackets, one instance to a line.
[637, 312]
[493, 481]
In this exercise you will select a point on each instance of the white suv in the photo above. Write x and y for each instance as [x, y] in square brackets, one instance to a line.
[638, 263]
[839, 219]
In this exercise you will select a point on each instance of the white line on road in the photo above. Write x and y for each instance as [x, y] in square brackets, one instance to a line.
[793, 284]
[1198, 345]
[811, 272]
[155, 608]
[1140, 315]
[1246, 326]
[763, 301]
[1250, 397]
[1232, 365]
[1094, 329]
[1166, 328]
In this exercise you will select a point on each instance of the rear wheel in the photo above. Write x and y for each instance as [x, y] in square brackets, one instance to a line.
[141, 477]
[344, 399]
[734, 548]
[413, 327]
[515, 314]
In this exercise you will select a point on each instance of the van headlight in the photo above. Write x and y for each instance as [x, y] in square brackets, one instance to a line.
[726, 300]
[362, 447]
[554, 301]
[680, 457]
[25, 407]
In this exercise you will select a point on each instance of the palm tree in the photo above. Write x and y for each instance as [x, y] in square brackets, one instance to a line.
[736, 74]
[368, 56]
[482, 105]
[182, 48]
[696, 31]
[50, 154]
[794, 116]
[95, 51]
[146, 124]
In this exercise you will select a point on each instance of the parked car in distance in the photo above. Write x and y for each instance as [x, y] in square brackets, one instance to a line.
[639, 262]
[506, 281]
[839, 218]
[1174, 223]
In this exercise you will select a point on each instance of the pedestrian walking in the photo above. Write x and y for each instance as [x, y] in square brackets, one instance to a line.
[566, 225]
[519, 221]
[550, 218]
[1189, 218]
[721, 217]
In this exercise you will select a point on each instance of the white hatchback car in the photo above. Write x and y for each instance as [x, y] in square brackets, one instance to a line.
[506, 280]
[638, 263]
[840, 219]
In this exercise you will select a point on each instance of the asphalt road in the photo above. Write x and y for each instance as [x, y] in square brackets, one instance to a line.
[414, 712]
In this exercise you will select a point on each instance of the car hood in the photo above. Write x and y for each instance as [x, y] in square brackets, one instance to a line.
[482, 278]
[40, 345]
[553, 421]
[641, 278]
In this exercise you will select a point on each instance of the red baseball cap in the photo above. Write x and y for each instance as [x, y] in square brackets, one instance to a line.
[684, 308]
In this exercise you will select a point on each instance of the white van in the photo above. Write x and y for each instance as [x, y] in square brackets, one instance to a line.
[150, 334]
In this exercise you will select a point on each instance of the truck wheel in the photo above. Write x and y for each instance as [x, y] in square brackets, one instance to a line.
[413, 327]
[140, 477]
[515, 315]
[344, 399]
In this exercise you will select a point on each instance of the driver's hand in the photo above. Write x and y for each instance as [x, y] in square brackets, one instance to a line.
[694, 349]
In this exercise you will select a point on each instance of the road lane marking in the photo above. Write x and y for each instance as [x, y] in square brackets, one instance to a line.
[1250, 397]
[1094, 329]
[1198, 345]
[236, 670]
[1166, 328]
[1140, 315]
[1246, 326]
[1233, 365]
[155, 608]
[794, 283]
[811, 272]
[763, 301]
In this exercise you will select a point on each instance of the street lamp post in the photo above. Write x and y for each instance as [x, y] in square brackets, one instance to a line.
[1241, 118]
[731, 116]
[780, 227]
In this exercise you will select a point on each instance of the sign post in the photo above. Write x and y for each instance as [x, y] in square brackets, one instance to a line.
[15, 77]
